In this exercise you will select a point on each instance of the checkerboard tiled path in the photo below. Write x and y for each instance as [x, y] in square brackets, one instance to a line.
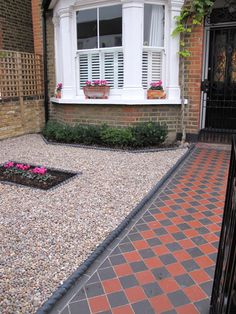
[165, 263]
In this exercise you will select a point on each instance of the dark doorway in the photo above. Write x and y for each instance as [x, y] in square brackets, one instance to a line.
[220, 86]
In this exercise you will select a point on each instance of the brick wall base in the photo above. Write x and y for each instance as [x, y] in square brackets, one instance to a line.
[118, 115]
[19, 118]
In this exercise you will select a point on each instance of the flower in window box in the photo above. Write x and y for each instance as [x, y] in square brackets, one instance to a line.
[156, 91]
[58, 90]
[97, 89]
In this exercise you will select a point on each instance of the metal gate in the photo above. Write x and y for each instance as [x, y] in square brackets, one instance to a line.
[223, 300]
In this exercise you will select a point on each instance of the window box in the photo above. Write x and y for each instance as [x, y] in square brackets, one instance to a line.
[156, 94]
[96, 92]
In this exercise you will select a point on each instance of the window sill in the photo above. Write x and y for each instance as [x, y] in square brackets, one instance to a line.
[124, 102]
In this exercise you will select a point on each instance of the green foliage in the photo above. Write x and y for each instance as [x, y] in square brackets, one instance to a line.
[149, 134]
[192, 14]
[141, 135]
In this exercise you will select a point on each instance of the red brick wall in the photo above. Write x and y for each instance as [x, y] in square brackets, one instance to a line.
[37, 26]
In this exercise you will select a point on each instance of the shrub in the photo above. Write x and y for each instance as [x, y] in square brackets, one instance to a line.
[145, 134]
[149, 134]
[117, 137]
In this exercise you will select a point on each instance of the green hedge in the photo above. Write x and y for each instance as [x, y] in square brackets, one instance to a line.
[146, 134]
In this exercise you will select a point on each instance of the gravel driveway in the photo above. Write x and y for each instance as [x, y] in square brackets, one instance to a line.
[46, 235]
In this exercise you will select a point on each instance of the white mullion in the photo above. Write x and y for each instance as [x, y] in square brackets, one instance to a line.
[149, 76]
[90, 66]
[115, 69]
[98, 29]
[102, 65]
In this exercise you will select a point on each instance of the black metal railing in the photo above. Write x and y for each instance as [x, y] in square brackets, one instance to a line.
[223, 300]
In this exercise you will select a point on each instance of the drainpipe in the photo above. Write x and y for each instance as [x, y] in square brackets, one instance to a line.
[46, 98]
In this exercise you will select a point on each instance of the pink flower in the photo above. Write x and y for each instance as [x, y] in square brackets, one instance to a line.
[8, 164]
[96, 82]
[104, 82]
[22, 167]
[39, 170]
[59, 87]
[88, 83]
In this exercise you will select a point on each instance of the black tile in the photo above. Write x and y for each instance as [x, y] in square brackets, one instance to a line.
[106, 273]
[80, 295]
[125, 240]
[94, 289]
[117, 299]
[203, 306]
[208, 213]
[195, 252]
[154, 211]
[190, 265]
[148, 218]
[142, 307]
[210, 270]
[175, 207]
[105, 264]
[187, 217]
[135, 236]
[179, 200]
[202, 230]
[140, 221]
[117, 259]
[79, 307]
[213, 256]
[146, 253]
[199, 240]
[167, 259]
[160, 231]
[195, 203]
[216, 244]
[153, 241]
[138, 266]
[174, 246]
[94, 278]
[207, 287]
[179, 235]
[116, 251]
[170, 312]
[171, 215]
[166, 222]
[183, 226]
[205, 221]
[152, 289]
[184, 280]
[142, 227]
[178, 298]
[126, 247]
[128, 281]
[160, 273]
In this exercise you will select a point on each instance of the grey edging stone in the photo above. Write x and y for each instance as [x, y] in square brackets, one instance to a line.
[132, 151]
[68, 283]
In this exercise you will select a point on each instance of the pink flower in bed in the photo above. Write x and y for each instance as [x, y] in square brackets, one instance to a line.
[39, 170]
[8, 164]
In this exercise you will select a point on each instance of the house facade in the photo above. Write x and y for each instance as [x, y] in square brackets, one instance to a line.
[129, 44]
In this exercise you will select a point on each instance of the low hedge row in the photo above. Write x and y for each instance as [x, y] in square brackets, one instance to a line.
[145, 134]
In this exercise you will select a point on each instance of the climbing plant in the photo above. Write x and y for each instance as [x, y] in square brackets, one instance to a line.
[192, 13]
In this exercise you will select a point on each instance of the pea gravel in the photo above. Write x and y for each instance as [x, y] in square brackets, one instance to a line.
[46, 235]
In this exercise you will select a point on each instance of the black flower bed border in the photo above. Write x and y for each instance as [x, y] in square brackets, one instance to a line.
[73, 174]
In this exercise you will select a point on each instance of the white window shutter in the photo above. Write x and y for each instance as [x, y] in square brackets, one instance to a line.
[151, 67]
[83, 69]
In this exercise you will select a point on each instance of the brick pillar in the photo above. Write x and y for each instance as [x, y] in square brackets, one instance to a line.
[37, 26]
[193, 76]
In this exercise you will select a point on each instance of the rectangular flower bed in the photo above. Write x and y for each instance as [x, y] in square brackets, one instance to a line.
[33, 176]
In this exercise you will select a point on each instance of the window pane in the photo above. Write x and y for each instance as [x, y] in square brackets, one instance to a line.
[153, 25]
[87, 29]
[110, 26]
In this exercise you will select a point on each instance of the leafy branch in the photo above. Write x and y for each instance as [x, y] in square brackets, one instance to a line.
[192, 14]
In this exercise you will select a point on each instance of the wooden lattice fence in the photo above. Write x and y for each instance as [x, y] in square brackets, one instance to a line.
[21, 74]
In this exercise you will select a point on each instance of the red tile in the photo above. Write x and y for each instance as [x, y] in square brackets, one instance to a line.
[191, 233]
[168, 285]
[195, 293]
[141, 244]
[160, 216]
[213, 228]
[153, 262]
[211, 237]
[172, 229]
[160, 250]
[186, 243]
[154, 224]
[187, 309]
[166, 238]
[177, 220]
[195, 224]
[207, 248]
[148, 234]
[125, 309]
[132, 257]
[135, 294]
[176, 269]
[144, 277]
[204, 261]
[181, 255]
[199, 276]
[122, 270]
[99, 304]
[161, 303]
[112, 285]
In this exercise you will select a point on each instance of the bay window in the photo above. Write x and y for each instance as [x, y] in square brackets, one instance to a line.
[126, 42]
